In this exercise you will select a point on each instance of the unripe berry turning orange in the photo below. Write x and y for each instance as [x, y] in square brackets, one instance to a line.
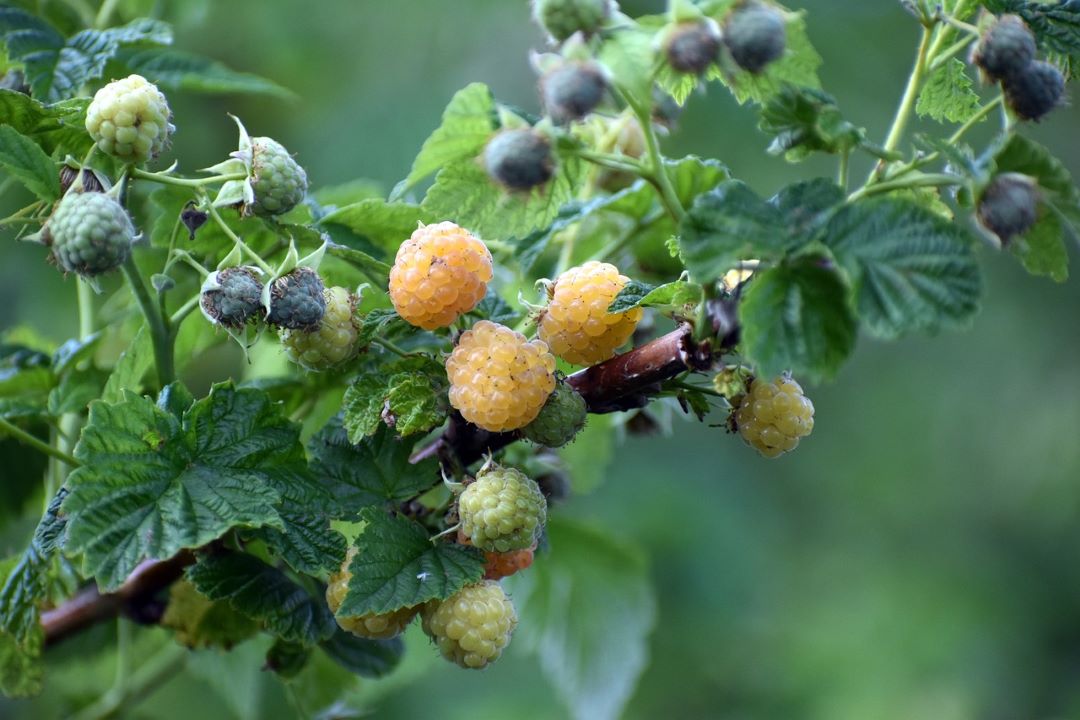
[440, 273]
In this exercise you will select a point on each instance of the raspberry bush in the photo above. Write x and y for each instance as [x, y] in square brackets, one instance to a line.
[535, 266]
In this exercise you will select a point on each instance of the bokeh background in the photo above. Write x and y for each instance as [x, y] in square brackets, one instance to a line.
[917, 558]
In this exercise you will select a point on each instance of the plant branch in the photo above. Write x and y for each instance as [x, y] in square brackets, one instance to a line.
[157, 324]
[905, 183]
[911, 93]
[185, 182]
[43, 447]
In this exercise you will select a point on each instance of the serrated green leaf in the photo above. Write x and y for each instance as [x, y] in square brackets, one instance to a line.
[199, 622]
[363, 657]
[1042, 249]
[804, 120]
[807, 206]
[22, 672]
[130, 368]
[587, 609]
[307, 543]
[727, 225]
[414, 401]
[464, 193]
[396, 565]
[28, 163]
[385, 224]
[176, 70]
[495, 309]
[379, 322]
[363, 405]
[151, 484]
[912, 270]
[25, 586]
[671, 295]
[467, 124]
[265, 594]
[371, 472]
[797, 317]
[76, 390]
[797, 67]
[949, 94]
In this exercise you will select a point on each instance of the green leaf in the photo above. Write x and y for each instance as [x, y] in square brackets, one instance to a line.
[265, 594]
[396, 565]
[25, 586]
[22, 672]
[949, 94]
[307, 543]
[414, 402]
[361, 656]
[175, 70]
[467, 124]
[363, 405]
[130, 368]
[371, 472]
[199, 622]
[28, 163]
[464, 192]
[587, 609]
[806, 120]
[676, 294]
[1042, 249]
[1056, 187]
[76, 390]
[152, 484]
[375, 270]
[627, 53]
[912, 270]
[384, 224]
[589, 457]
[796, 317]
[808, 205]
[727, 225]
[287, 659]
[798, 67]
[495, 309]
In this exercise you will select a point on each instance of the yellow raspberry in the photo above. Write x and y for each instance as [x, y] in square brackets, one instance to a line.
[440, 273]
[333, 341]
[373, 626]
[773, 416]
[129, 119]
[472, 626]
[499, 381]
[576, 323]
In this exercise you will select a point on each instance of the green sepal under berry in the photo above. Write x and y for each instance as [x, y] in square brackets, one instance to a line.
[560, 420]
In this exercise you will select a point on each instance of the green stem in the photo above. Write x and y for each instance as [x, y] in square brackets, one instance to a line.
[387, 345]
[911, 94]
[185, 182]
[86, 309]
[615, 162]
[842, 171]
[948, 53]
[656, 173]
[146, 678]
[104, 14]
[939, 180]
[185, 310]
[240, 243]
[39, 445]
[160, 334]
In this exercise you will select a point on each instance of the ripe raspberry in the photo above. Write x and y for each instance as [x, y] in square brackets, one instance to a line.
[773, 416]
[297, 300]
[693, 47]
[472, 626]
[502, 510]
[233, 297]
[563, 18]
[372, 626]
[1005, 49]
[498, 380]
[279, 183]
[129, 119]
[576, 323]
[519, 159]
[1035, 90]
[90, 233]
[572, 91]
[755, 36]
[333, 342]
[1009, 205]
[561, 419]
[440, 273]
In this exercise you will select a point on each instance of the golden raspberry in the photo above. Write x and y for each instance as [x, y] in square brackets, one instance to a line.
[333, 341]
[373, 626]
[773, 416]
[576, 323]
[472, 626]
[440, 273]
[499, 380]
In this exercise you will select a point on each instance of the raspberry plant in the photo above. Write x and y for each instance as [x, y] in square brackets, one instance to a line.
[327, 508]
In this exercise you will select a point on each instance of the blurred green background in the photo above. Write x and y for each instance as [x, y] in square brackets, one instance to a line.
[916, 558]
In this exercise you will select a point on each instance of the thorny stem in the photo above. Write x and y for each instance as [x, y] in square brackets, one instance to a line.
[160, 334]
[43, 447]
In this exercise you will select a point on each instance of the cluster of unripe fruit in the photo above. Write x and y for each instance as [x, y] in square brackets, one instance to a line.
[1006, 54]
[502, 512]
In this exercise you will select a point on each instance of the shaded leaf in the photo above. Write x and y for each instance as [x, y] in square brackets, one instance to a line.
[28, 163]
[361, 656]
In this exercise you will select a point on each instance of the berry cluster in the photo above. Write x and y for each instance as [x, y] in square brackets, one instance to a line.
[1006, 54]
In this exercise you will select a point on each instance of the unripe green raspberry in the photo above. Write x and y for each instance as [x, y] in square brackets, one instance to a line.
[333, 342]
[233, 297]
[374, 626]
[278, 181]
[129, 119]
[1035, 90]
[519, 159]
[502, 510]
[90, 233]
[563, 18]
[774, 416]
[472, 626]
[560, 420]
[297, 300]
[572, 91]
[693, 47]
[755, 35]
[1009, 205]
[1006, 48]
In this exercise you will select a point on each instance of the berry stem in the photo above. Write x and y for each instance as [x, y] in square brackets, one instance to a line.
[43, 447]
[184, 310]
[655, 172]
[160, 333]
[911, 93]
[388, 345]
[104, 14]
[614, 162]
[184, 182]
[239, 243]
[921, 180]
